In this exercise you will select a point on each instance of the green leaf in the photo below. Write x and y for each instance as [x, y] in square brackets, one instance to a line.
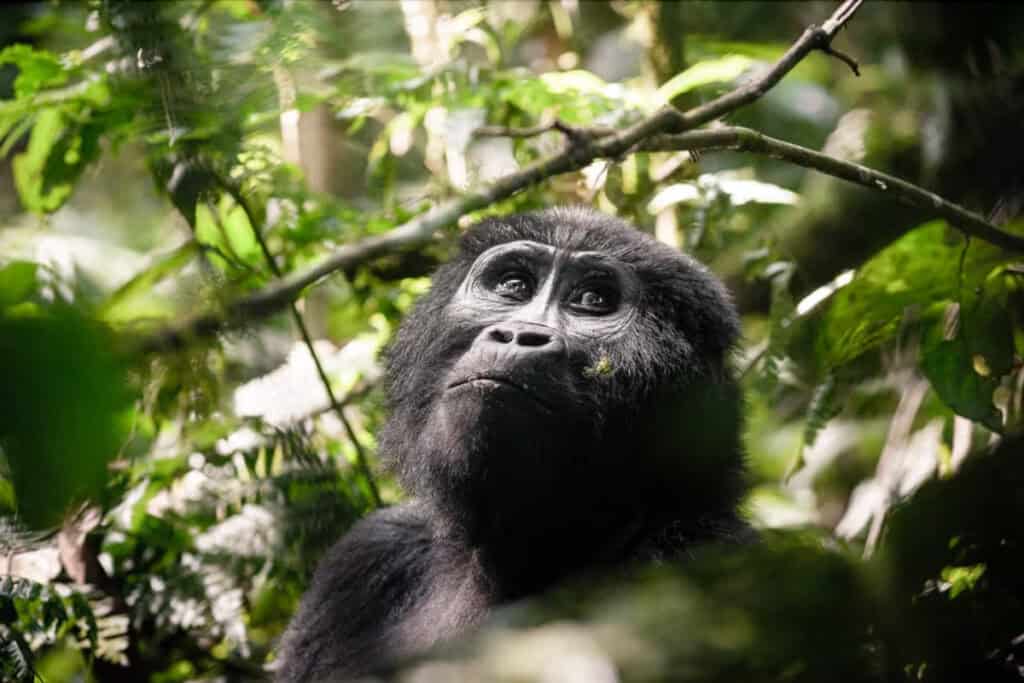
[924, 269]
[962, 579]
[17, 282]
[723, 70]
[29, 166]
[240, 232]
[36, 69]
[136, 297]
[58, 151]
[949, 366]
[14, 124]
[987, 330]
[824, 406]
[227, 229]
[576, 97]
[65, 399]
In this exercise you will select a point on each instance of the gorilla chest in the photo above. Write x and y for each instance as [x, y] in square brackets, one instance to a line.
[452, 596]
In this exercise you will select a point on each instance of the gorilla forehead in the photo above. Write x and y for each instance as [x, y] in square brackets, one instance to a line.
[572, 229]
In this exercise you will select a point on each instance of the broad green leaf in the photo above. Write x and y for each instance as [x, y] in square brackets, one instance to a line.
[30, 165]
[229, 232]
[17, 282]
[36, 69]
[240, 233]
[987, 329]
[723, 70]
[136, 298]
[209, 233]
[58, 151]
[65, 399]
[924, 269]
[949, 366]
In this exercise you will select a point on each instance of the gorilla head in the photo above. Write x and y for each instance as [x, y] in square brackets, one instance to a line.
[560, 401]
[566, 373]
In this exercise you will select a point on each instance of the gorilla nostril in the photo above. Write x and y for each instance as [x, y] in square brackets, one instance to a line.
[520, 337]
[499, 335]
[533, 339]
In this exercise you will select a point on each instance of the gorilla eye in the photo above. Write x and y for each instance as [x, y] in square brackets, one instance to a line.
[515, 286]
[595, 299]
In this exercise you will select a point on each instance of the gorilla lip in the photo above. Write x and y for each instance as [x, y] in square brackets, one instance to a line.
[499, 381]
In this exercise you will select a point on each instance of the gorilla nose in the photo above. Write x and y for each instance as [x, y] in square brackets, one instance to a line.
[525, 337]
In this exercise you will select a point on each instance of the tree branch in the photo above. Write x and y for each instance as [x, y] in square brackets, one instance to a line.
[573, 133]
[747, 140]
[421, 229]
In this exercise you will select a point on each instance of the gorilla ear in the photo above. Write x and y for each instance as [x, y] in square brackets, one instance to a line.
[704, 309]
[723, 325]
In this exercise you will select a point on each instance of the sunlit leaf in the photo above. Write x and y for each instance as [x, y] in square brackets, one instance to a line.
[59, 149]
[240, 233]
[17, 282]
[576, 97]
[30, 165]
[136, 297]
[960, 579]
[722, 70]
[670, 195]
[743, 191]
[578, 81]
[227, 231]
[36, 69]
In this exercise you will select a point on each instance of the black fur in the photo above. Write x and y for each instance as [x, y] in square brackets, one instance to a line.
[620, 443]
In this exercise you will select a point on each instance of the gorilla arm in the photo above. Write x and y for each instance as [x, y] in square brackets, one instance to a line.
[386, 589]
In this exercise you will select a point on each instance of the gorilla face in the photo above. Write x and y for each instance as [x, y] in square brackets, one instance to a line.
[541, 312]
[541, 308]
[521, 396]
[546, 355]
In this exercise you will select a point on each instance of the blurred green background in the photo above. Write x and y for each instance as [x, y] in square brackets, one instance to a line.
[162, 503]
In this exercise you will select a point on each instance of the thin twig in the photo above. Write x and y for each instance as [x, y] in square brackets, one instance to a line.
[420, 230]
[361, 460]
[833, 25]
[512, 132]
[849, 61]
[570, 131]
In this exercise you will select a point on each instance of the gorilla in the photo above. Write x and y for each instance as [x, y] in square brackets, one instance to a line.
[561, 403]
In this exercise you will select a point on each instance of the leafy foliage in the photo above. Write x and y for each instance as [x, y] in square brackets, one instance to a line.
[163, 160]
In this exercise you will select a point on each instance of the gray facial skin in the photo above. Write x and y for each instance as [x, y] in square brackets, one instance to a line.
[581, 294]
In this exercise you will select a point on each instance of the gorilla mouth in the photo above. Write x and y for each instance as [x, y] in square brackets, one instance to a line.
[498, 381]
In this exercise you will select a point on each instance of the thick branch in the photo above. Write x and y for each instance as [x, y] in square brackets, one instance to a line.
[421, 229]
[747, 140]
